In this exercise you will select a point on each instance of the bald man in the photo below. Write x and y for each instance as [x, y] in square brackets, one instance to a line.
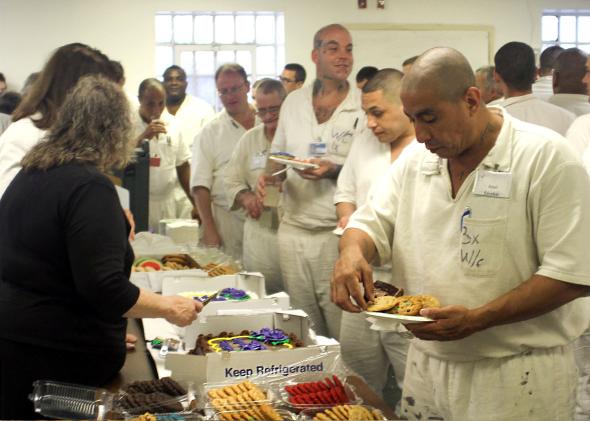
[368, 352]
[476, 218]
[169, 154]
[569, 89]
[319, 121]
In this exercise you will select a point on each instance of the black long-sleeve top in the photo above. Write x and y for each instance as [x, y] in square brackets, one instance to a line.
[64, 261]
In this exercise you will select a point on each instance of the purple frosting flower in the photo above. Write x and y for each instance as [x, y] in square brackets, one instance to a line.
[226, 346]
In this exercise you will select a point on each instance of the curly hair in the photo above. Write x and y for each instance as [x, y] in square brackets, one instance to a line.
[93, 126]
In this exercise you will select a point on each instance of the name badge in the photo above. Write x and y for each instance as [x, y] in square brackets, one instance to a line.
[317, 149]
[154, 161]
[258, 162]
[492, 184]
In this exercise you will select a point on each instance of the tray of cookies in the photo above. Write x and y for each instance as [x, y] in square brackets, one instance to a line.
[342, 412]
[161, 396]
[243, 400]
[317, 390]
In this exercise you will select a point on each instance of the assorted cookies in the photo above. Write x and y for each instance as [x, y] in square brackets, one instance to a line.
[348, 412]
[407, 305]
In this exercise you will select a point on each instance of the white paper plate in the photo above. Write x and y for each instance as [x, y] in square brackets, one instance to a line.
[295, 164]
[398, 318]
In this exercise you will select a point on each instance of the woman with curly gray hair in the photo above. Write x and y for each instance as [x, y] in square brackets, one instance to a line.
[65, 258]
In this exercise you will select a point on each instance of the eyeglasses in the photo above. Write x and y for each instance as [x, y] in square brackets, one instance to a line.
[261, 112]
[286, 80]
[230, 91]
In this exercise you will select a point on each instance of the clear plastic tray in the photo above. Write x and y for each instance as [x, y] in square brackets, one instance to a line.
[349, 390]
[70, 401]
[229, 391]
[282, 415]
[354, 412]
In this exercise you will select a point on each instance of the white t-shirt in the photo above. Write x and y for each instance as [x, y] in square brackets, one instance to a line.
[167, 152]
[192, 115]
[578, 134]
[309, 204]
[247, 163]
[471, 249]
[212, 150]
[543, 87]
[15, 142]
[531, 109]
[367, 163]
[574, 103]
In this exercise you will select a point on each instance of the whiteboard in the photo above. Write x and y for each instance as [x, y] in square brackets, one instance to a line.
[388, 46]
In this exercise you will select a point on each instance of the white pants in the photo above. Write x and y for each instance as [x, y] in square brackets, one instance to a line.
[369, 353]
[582, 353]
[160, 208]
[230, 227]
[307, 262]
[537, 385]
[261, 254]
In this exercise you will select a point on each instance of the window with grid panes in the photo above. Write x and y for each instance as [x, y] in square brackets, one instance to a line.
[568, 28]
[200, 42]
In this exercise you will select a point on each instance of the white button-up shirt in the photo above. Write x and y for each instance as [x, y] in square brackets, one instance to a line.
[470, 249]
[531, 109]
[309, 204]
[574, 103]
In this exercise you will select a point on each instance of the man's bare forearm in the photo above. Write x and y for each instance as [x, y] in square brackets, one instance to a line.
[535, 297]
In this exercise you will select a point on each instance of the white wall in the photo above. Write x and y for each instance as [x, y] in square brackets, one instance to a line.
[124, 29]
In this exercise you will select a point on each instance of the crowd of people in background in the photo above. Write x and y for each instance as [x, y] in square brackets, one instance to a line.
[418, 167]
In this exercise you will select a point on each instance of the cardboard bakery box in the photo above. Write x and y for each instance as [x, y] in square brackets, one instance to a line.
[181, 231]
[233, 366]
[251, 282]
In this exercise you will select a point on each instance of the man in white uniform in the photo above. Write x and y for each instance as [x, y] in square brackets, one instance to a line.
[318, 121]
[247, 164]
[212, 150]
[293, 76]
[515, 74]
[190, 114]
[368, 352]
[543, 86]
[568, 82]
[579, 132]
[484, 79]
[477, 219]
[169, 155]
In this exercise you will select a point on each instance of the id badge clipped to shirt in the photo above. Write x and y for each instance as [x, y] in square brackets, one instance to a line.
[258, 161]
[155, 161]
[317, 149]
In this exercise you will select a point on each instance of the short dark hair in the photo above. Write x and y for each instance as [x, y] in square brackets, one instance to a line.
[149, 83]
[174, 67]
[409, 61]
[268, 86]
[61, 73]
[388, 81]
[231, 68]
[9, 101]
[366, 73]
[548, 57]
[299, 70]
[515, 63]
[2, 78]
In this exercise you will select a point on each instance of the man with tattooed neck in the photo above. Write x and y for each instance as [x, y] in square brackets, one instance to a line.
[490, 217]
[318, 122]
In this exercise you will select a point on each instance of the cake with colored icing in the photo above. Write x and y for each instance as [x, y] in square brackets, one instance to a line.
[247, 340]
[226, 294]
